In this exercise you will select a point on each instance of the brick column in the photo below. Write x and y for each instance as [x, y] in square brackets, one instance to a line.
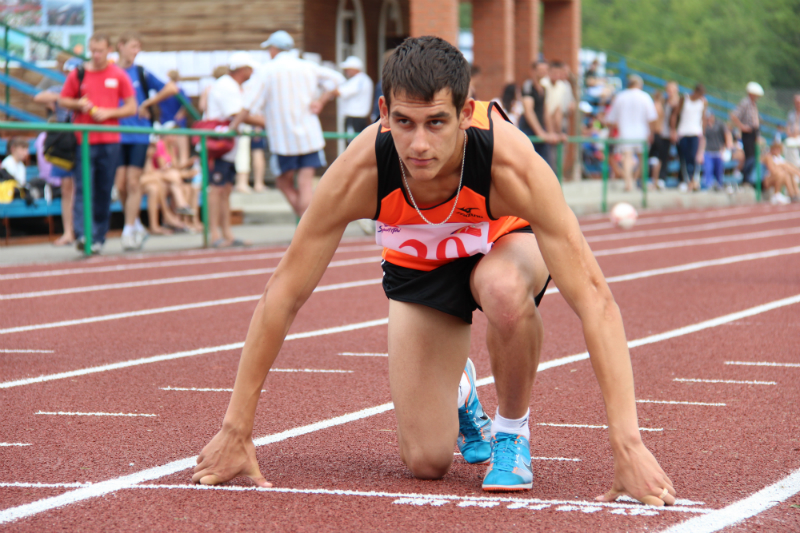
[562, 31]
[526, 38]
[434, 17]
[493, 49]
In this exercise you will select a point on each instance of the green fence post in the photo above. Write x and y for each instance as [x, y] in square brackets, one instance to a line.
[204, 189]
[645, 170]
[604, 202]
[8, 89]
[758, 171]
[559, 161]
[87, 193]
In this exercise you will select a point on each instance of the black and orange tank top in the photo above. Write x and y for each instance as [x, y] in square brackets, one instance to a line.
[409, 241]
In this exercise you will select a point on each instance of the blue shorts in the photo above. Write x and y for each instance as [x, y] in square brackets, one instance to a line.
[132, 155]
[258, 143]
[287, 163]
[224, 172]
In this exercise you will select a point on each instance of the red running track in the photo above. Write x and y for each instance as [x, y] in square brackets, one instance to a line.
[724, 431]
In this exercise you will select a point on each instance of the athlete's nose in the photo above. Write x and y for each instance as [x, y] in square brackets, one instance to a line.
[419, 144]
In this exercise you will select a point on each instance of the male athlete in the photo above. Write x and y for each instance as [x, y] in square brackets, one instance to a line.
[469, 217]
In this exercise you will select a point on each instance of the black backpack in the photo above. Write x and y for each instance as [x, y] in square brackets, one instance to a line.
[155, 111]
[60, 146]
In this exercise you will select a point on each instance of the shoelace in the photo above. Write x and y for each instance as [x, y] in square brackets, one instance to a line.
[468, 427]
[504, 453]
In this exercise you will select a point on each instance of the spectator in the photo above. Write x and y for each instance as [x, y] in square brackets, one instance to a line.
[173, 115]
[716, 139]
[133, 146]
[558, 100]
[355, 96]
[635, 115]
[258, 145]
[779, 175]
[290, 108]
[47, 83]
[534, 120]
[96, 100]
[745, 118]
[511, 102]
[376, 110]
[793, 133]
[690, 129]
[658, 140]
[474, 76]
[666, 132]
[58, 177]
[202, 101]
[14, 163]
[226, 102]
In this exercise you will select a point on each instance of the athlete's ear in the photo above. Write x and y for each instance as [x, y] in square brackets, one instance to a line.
[465, 118]
[384, 108]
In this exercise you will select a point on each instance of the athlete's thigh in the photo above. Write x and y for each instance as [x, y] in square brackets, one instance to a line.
[514, 264]
[427, 353]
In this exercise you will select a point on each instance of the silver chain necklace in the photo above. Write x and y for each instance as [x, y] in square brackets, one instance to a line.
[458, 192]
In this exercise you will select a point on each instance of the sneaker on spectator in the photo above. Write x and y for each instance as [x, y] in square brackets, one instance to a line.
[779, 199]
[683, 187]
[139, 236]
[128, 241]
[729, 189]
[97, 247]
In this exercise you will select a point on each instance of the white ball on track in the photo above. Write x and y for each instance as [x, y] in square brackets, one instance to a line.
[624, 215]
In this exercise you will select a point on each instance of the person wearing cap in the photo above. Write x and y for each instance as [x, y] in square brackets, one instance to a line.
[226, 103]
[355, 96]
[745, 117]
[288, 106]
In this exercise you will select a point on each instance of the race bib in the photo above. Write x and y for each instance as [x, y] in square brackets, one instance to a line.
[448, 241]
[111, 83]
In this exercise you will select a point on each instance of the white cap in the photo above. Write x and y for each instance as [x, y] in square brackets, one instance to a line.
[280, 40]
[755, 88]
[239, 60]
[352, 62]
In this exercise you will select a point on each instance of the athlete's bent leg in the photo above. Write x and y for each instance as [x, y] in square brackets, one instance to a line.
[427, 353]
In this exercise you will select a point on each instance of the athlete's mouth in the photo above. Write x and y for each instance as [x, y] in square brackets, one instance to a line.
[419, 162]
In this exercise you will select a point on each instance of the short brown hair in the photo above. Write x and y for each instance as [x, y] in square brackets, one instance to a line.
[99, 36]
[129, 36]
[17, 142]
[423, 66]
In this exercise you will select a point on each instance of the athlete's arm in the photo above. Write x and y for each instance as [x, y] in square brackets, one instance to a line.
[523, 185]
[347, 192]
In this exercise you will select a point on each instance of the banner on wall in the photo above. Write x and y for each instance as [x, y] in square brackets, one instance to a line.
[67, 23]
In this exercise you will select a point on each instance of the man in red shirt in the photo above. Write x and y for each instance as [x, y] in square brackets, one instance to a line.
[95, 100]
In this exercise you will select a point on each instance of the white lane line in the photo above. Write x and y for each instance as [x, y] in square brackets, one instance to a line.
[696, 228]
[170, 263]
[43, 485]
[763, 363]
[588, 426]
[310, 370]
[188, 353]
[354, 354]
[64, 413]
[733, 382]
[337, 286]
[195, 389]
[673, 218]
[9, 444]
[698, 242]
[682, 403]
[554, 459]
[172, 308]
[27, 351]
[168, 281]
[123, 482]
[743, 509]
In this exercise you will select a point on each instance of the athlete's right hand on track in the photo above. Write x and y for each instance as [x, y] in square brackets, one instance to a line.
[227, 456]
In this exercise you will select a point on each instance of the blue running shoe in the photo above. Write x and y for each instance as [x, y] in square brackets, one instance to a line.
[474, 426]
[510, 466]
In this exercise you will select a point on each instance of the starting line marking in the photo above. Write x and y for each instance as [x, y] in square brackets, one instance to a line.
[195, 389]
[8, 444]
[89, 414]
[689, 380]
[589, 426]
[681, 403]
[112, 485]
[365, 354]
[27, 351]
[312, 370]
[745, 363]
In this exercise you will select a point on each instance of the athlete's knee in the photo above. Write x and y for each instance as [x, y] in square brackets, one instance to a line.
[428, 463]
[506, 299]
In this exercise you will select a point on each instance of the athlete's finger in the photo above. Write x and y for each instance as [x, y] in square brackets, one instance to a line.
[610, 496]
[211, 479]
[260, 481]
[652, 500]
[669, 499]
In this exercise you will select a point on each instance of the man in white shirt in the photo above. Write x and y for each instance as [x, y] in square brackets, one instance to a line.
[14, 163]
[355, 96]
[558, 99]
[226, 102]
[289, 103]
[634, 113]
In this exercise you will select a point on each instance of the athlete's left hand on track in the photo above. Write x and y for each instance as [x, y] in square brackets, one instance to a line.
[227, 456]
[637, 474]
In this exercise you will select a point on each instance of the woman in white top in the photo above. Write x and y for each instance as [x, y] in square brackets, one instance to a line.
[690, 129]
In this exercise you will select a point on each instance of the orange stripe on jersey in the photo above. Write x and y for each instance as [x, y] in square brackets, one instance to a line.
[480, 117]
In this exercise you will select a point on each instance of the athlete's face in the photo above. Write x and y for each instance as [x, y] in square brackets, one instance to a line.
[427, 135]
[128, 51]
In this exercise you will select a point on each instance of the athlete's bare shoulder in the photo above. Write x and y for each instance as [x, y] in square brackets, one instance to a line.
[519, 174]
[349, 188]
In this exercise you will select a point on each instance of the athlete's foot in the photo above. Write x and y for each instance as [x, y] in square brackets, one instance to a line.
[474, 426]
[64, 240]
[510, 465]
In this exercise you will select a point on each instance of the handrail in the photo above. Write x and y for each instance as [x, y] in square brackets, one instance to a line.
[42, 40]
[52, 74]
[19, 85]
